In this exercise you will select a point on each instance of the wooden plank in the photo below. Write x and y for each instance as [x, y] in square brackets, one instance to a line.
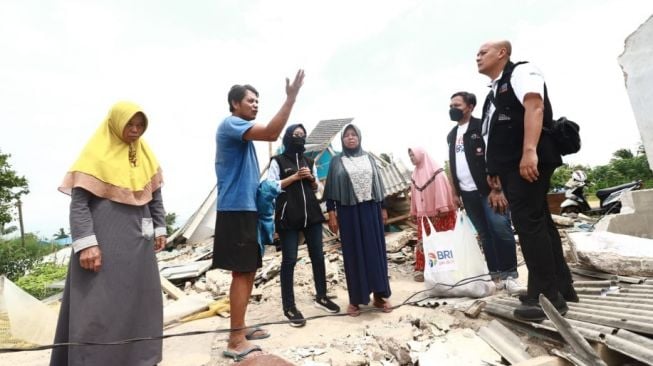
[170, 289]
[398, 218]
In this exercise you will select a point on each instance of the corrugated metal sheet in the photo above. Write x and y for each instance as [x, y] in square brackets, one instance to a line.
[396, 178]
[321, 136]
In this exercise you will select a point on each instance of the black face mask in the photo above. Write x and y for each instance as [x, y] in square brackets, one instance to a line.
[455, 114]
[298, 141]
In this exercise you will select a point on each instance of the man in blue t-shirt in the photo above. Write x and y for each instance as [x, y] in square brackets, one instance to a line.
[235, 246]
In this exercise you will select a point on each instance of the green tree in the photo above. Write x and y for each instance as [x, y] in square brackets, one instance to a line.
[12, 187]
[171, 218]
[61, 234]
[623, 168]
[16, 258]
[623, 154]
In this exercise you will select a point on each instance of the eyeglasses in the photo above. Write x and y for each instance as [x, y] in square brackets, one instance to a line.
[298, 134]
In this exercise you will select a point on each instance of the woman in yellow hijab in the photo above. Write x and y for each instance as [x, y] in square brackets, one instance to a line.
[117, 222]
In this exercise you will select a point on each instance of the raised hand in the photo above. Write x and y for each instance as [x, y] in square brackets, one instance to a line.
[292, 89]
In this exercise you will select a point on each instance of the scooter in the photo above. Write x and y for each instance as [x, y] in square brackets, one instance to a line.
[609, 198]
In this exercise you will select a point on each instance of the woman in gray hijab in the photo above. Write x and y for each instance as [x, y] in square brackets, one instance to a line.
[354, 194]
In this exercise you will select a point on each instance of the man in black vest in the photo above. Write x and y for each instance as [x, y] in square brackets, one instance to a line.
[468, 173]
[521, 160]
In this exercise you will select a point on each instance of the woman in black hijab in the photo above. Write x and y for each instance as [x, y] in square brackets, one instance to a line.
[298, 210]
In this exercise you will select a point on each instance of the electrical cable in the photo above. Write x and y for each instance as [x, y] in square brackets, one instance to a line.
[462, 282]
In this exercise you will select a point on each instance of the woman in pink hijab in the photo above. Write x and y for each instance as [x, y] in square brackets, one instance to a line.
[431, 198]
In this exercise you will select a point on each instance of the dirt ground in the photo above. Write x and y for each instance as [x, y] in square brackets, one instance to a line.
[373, 338]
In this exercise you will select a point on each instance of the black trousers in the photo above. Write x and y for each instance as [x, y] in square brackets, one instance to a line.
[539, 239]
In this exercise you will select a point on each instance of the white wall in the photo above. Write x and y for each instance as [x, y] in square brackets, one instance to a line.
[638, 75]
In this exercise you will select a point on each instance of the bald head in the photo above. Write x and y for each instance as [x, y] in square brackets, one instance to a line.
[492, 56]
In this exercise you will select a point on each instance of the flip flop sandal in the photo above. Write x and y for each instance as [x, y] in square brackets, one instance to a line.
[239, 356]
[252, 336]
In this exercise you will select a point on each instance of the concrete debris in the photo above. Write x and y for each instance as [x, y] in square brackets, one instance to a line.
[396, 241]
[400, 351]
[474, 310]
[563, 221]
[468, 351]
[304, 352]
[184, 271]
[443, 334]
[614, 253]
[269, 271]
[187, 305]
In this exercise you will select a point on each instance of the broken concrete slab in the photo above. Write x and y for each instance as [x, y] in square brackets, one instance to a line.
[637, 68]
[396, 241]
[187, 270]
[635, 216]
[614, 253]
[184, 307]
[442, 354]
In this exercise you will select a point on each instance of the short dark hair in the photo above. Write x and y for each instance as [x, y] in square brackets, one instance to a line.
[468, 98]
[237, 93]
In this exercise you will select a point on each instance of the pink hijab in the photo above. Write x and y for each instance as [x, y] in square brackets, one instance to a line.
[429, 195]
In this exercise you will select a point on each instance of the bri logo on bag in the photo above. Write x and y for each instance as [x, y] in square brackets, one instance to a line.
[442, 256]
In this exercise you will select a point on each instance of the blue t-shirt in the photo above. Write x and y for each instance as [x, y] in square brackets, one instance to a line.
[236, 166]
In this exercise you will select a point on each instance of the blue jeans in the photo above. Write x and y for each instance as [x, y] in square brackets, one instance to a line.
[289, 244]
[495, 232]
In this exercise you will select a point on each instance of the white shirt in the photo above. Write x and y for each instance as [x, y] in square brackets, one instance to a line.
[274, 173]
[525, 79]
[464, 175]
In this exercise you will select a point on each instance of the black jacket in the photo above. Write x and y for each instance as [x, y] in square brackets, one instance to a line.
[506, 135]
[296, 206]
[474, 154]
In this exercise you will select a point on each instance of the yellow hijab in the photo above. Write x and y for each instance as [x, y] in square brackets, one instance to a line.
[104, 168]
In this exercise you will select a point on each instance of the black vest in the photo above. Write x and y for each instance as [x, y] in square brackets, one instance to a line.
[506, 135]
[474, 154]
[296, 206]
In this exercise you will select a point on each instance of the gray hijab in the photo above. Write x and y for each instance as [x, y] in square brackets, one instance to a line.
[338, 186]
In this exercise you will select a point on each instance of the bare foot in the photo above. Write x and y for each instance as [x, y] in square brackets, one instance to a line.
[382, 303]
[353, 310]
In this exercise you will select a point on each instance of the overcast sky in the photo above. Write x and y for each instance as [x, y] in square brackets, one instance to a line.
[391, 65]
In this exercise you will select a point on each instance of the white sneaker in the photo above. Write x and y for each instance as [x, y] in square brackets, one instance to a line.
[513, 287]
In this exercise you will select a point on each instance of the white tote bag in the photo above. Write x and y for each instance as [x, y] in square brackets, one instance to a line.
[453, 263]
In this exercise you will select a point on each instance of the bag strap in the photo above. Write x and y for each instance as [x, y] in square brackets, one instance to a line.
[421, 223]
[428, 181]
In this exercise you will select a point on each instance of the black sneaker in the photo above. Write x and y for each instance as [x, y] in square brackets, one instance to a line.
[296, 318]
[530, 309]
[570, 295]
[326, 304]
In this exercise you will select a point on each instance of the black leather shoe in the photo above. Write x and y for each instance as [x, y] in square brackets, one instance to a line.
[569, 295]
[530, 309]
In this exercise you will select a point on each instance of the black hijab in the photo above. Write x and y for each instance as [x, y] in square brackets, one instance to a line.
[291, 144]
